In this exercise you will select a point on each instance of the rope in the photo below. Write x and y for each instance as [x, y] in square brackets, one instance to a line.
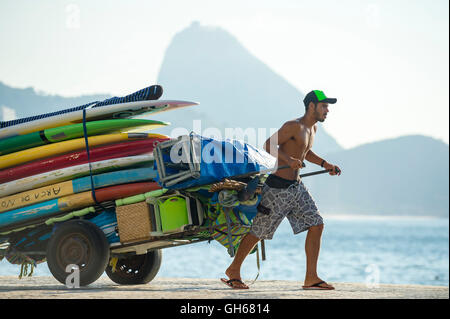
[89, 160]
[27, 264]
[257, 265]
[227, 184]
[24, 269]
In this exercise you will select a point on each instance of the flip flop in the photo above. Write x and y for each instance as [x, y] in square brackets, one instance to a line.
[229, 283]
[317, 286]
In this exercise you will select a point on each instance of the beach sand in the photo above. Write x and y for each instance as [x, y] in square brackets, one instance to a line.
[190, 288]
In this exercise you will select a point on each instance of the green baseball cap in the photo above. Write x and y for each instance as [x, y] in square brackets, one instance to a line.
[317, 96]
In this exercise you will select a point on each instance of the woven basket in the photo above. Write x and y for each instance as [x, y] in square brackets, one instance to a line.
[134, 222]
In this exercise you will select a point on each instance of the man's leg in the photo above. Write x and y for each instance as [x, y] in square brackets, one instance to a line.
[306, 216]
[245, 247]
[312, 248]
[263, 226]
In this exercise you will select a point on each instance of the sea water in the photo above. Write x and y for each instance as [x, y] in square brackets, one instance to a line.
[364, 249]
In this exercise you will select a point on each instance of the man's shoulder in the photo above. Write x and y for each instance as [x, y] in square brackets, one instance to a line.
[291, 126]
[297, 124]
[293, 123]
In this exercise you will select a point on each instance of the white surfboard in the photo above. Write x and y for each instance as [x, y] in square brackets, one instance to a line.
[113, 111]
[68, 173]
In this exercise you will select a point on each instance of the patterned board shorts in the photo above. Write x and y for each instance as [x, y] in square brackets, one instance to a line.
[294, 202]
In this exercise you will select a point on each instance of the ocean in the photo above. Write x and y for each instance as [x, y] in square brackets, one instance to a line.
[362, 249]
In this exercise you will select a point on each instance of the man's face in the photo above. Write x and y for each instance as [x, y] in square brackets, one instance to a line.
[321, 111]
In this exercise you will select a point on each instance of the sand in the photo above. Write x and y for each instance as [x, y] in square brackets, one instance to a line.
[39, 287]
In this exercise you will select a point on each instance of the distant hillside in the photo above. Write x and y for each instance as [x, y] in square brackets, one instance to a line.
[27, 102]
[403, 176]
[234, 88]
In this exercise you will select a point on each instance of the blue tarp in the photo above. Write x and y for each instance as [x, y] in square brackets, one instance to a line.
[221, 159]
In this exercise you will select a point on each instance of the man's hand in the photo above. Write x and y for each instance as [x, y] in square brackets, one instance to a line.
[335, 170]
[295, 163]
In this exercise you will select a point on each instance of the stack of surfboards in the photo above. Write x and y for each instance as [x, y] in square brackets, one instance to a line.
[59, 162]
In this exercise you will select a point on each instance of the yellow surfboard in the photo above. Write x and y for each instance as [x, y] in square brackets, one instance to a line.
[49, 150]
[35, 196]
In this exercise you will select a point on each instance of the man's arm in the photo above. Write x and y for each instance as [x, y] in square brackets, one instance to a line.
[314, 158]
[286, 132]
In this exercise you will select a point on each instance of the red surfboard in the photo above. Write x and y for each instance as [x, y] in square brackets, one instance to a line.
[124, 190]
[99, 153]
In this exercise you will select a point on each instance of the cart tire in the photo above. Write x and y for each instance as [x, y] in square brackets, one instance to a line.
[81, 243]
[137, 269]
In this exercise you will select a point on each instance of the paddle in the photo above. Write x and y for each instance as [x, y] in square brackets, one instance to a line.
[283, 167]
[251, 187]
[308, 174]
[320, 172]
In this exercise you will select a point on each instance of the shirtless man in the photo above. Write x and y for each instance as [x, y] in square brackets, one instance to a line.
[284, 194]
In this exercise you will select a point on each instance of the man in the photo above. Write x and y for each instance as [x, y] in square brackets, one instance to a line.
[284, 194]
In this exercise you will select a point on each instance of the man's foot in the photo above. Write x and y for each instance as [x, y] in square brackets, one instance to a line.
[235, 280]
[320, 285]
[234, 283]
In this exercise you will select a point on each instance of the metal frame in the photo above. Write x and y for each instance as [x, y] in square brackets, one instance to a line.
[172, 240]
[188, 147]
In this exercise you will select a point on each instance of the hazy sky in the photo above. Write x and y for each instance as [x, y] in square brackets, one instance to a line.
[386, 61]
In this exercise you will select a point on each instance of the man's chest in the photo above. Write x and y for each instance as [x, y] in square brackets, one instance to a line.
[305, 138]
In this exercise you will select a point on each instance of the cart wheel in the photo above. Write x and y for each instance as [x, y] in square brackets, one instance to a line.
[81, 243]
[137, 269]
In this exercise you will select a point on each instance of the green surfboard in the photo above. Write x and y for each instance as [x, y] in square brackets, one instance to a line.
[68, 132]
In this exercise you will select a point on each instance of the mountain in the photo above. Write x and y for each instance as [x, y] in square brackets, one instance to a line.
[235, 89]
[27, 102]
[404, 176]
[408, 175]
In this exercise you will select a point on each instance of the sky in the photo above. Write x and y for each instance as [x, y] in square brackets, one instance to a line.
[386, 62]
